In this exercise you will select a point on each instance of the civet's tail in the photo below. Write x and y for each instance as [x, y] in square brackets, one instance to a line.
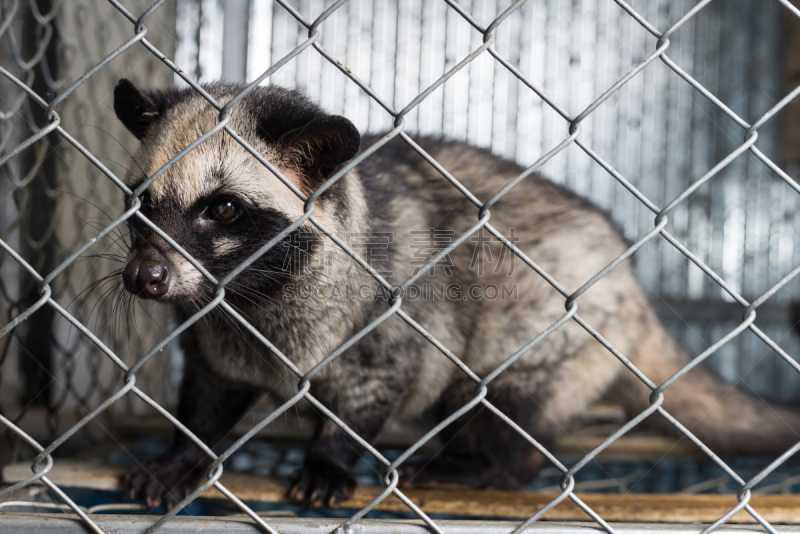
[728, 419]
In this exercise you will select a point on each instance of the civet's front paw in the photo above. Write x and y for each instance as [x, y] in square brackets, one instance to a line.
[322, 483]
[168, 479]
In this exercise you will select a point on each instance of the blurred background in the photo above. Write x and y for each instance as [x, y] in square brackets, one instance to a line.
[657, 132]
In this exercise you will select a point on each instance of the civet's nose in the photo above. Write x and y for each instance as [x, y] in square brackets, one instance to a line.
[146, 278]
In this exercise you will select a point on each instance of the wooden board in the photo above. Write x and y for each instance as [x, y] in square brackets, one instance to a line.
[676, 508]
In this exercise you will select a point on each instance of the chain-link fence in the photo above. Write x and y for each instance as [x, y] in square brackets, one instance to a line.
[742, 225]
[42, 252]
[52, 199]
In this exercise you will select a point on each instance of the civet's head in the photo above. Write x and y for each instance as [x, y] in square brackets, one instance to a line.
[219, 202]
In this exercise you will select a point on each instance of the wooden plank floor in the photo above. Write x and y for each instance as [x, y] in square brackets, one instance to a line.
[676, 508]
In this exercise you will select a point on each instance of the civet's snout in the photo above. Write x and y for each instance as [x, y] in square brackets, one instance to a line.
[147, 275]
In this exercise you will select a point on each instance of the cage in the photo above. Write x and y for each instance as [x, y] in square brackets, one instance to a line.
[642, 106]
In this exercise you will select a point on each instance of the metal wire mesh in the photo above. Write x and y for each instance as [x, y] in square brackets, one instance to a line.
[51, 200]
[742, 225]
[130, 378]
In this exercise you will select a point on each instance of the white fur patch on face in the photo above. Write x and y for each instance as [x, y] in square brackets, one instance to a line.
[185, 280]
[224, 245]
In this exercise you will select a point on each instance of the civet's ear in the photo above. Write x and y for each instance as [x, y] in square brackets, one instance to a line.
[320, 147]
[137, 110]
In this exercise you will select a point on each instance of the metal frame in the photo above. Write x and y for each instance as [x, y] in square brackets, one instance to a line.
[36, 523]
[43, 462]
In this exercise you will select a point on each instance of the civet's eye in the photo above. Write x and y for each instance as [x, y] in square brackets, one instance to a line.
[224, 210]
[147, 202]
